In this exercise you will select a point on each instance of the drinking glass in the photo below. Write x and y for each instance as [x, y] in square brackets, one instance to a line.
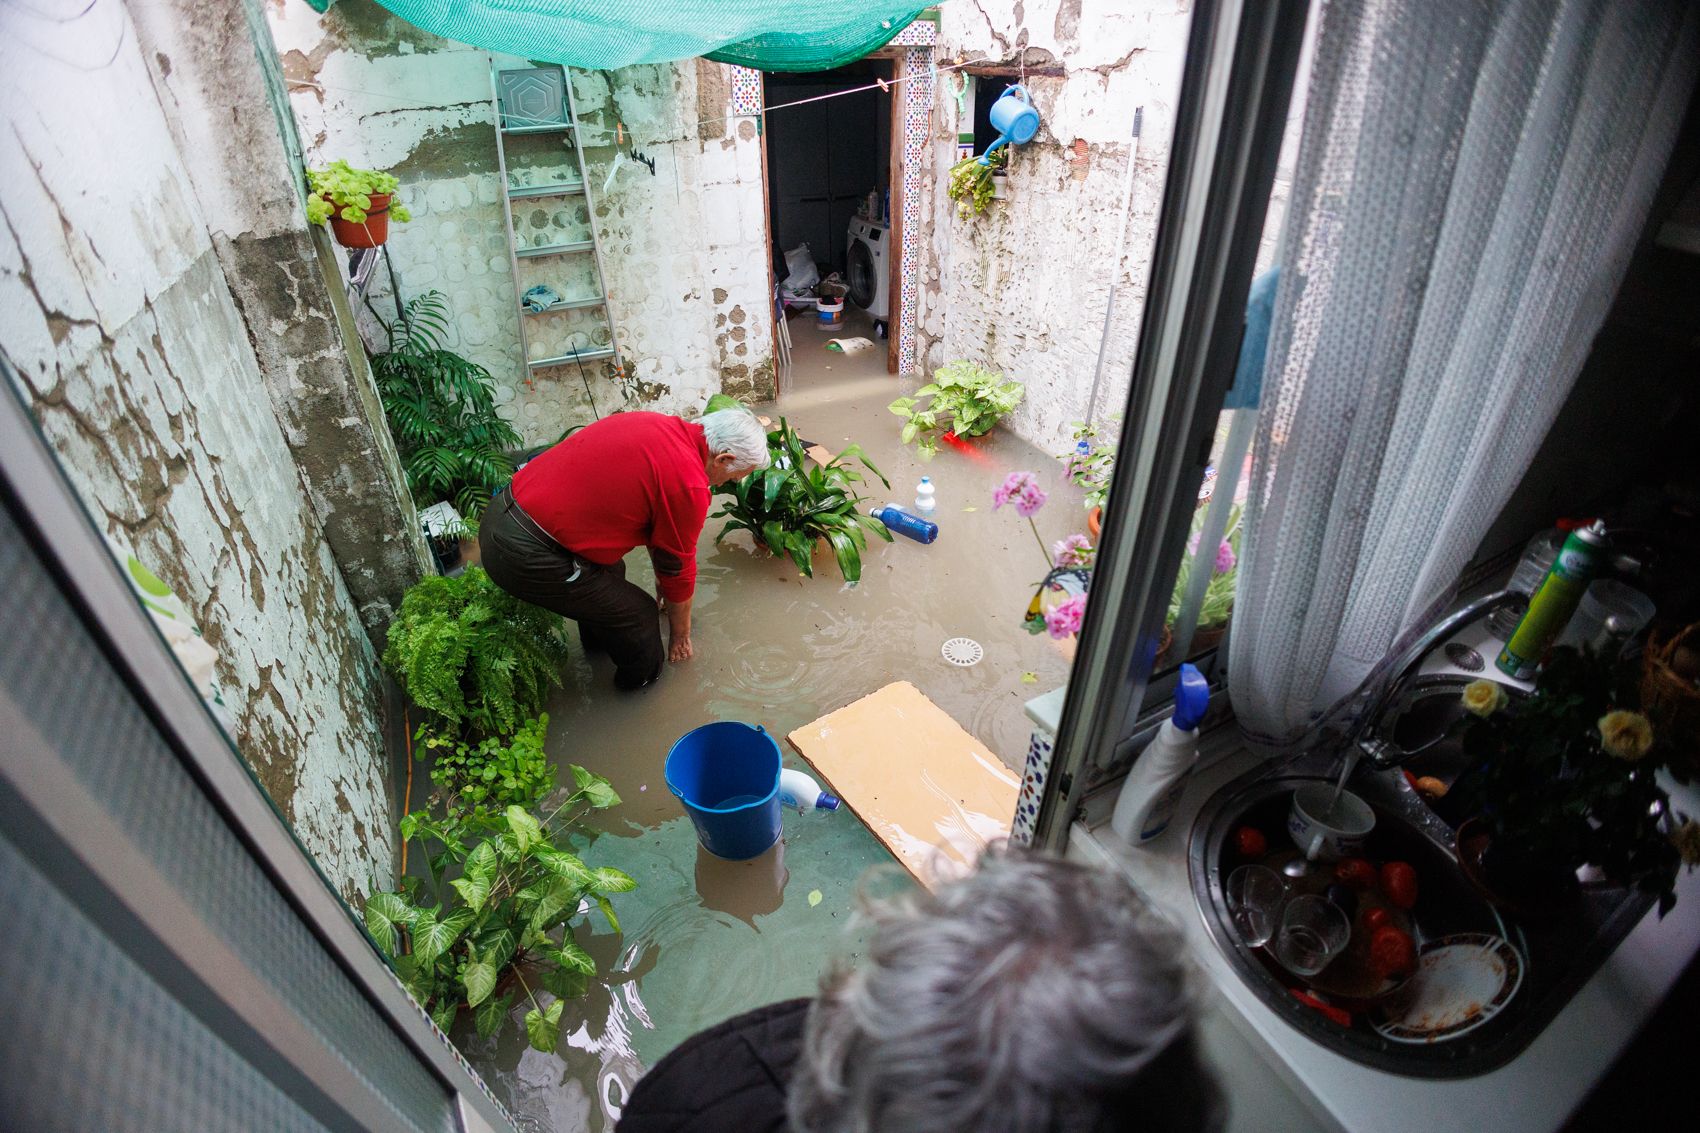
[1313, 932]
[1255, 896]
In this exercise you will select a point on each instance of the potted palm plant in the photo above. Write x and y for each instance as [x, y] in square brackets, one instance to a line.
[442, 410]
[357, 204]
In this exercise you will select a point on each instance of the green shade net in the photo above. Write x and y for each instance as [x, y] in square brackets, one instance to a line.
[772, 35]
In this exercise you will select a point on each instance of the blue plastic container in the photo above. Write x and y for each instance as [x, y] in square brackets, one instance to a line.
[1015, 120]
[904, 523]
[727, 776]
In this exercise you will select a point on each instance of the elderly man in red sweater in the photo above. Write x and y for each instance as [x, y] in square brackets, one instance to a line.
[558, 535]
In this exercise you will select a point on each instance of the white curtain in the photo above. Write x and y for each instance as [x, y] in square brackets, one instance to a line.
[1471, 180]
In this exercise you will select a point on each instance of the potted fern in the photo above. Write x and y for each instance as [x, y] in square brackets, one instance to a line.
[793, 504]
[477, 660]
[442, 410]
[963, 400]
[356, 204]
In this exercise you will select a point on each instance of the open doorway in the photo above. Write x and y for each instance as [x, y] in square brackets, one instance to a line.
[829, 195]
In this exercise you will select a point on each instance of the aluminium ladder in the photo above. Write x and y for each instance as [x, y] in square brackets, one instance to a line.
[554, 118]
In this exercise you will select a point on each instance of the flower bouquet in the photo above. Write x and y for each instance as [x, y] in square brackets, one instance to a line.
[1567, 778]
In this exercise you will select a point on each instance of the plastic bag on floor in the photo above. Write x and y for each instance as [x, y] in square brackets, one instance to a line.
[800, 271]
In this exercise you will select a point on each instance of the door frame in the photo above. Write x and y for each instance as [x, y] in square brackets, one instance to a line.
[910, 55]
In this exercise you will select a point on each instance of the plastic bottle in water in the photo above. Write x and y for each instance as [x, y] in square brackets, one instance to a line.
[900, 521]
[925, 502]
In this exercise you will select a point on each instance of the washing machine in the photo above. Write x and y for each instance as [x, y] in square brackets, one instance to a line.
[870, 266]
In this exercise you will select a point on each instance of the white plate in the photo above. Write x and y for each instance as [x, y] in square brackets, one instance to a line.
[1462, 981]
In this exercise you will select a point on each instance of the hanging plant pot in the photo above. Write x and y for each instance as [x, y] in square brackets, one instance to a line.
[1000, 185]
[356, 204]
[371, 232]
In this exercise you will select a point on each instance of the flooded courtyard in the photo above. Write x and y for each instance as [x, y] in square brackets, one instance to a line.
[705, 939]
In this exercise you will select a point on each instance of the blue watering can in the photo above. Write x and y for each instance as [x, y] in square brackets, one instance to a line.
[1015, 120]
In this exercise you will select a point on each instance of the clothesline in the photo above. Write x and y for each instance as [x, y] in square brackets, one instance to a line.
[877, 84]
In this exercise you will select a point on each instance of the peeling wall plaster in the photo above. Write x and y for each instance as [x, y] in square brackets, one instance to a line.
[684, 248]
[1023, 287]
[116, 312]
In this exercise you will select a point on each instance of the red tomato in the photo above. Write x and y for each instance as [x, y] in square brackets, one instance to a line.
[1250, 842]
[1355, 872]
[1375, 917]
[1399, 882]
[1391, 951]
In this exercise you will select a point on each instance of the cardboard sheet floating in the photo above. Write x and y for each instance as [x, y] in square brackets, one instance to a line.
[925, 787]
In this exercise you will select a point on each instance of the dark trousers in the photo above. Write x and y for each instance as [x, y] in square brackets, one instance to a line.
[612, 614]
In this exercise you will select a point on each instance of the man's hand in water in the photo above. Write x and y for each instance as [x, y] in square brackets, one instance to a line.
[678, 630]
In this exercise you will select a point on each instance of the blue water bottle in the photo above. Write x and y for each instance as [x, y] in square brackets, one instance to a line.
[900, 521]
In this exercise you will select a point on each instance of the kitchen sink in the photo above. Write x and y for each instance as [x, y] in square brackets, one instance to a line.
[1557, 956]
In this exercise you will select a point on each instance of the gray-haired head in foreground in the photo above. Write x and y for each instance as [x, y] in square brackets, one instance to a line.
[1033, 996]
[738, 432]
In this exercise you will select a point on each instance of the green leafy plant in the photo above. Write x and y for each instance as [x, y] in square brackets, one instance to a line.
[507, 914]
[794, 503]
[962, 398]
[1568, 776]
[442, 409]
[970, 182]
[477, 659]
[485, 777]
[1090, 463]
[1218, 605]
[340, 189]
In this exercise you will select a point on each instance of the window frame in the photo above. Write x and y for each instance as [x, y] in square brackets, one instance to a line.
[1241, 65]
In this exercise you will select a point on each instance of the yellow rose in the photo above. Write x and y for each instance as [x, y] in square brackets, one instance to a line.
[1484, 697]
[1686, 839]
[1626, 735]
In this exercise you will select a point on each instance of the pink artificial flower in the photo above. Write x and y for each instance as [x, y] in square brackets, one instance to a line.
[1075, 551]
[1225, 558]
[1063, 619]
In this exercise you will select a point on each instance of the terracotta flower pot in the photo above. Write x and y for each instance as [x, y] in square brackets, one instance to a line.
[1094, 523]
[375, 230]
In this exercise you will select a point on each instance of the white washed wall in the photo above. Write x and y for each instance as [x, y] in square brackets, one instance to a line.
[684, 248]
[117, 315]
[1023, 287]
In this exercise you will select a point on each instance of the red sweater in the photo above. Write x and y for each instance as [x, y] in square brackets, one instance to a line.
[630, 480]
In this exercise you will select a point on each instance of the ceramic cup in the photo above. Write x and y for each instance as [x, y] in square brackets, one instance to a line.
[1324, 835]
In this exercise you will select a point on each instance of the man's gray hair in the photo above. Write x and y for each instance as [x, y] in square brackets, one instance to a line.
[1033, 996]
[738, 432]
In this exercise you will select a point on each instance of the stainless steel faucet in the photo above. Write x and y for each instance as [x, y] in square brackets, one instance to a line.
[1382, 753]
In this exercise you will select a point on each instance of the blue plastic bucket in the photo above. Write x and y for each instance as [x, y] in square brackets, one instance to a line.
[727, 776]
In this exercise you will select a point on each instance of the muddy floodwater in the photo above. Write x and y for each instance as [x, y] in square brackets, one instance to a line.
[704, 939]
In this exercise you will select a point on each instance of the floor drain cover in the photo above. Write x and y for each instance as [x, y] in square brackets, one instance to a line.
[962, 651]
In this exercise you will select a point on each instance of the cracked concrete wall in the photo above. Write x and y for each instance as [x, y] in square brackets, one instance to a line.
[1024, 286]
[224, 96]
[684, 248]
[116, 310]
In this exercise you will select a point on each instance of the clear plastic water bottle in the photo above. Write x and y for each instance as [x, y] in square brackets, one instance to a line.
[924, 498]
[912, 526]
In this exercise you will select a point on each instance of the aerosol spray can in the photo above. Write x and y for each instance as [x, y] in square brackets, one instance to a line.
[1554, 602]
